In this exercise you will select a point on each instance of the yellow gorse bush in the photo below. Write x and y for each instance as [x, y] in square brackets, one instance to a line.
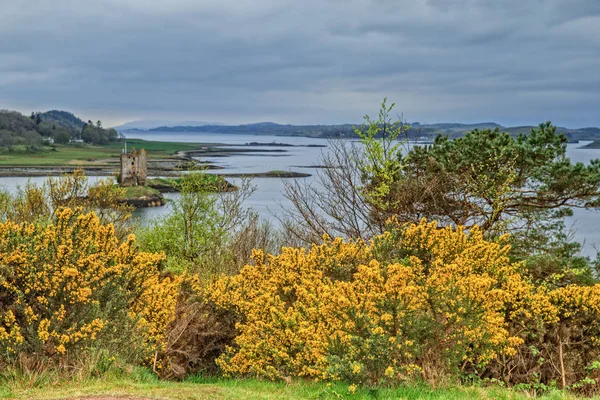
[414, 302]
[417, 300]
[71, 285]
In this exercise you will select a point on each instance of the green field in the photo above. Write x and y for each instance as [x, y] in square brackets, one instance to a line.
[140, 191]
[59, 156]
[200, 388]
[65, 155]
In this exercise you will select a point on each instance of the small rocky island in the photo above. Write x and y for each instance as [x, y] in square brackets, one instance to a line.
[132, 177]
[141, 191]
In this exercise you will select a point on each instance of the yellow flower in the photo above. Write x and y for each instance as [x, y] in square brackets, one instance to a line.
[389, 372]
[71, 267]
[341, 305]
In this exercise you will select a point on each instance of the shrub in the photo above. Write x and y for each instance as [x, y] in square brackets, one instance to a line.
[39, 203]
[197, 335]
[70, 286]
[561, 349]
[417, 301]
[200, 233]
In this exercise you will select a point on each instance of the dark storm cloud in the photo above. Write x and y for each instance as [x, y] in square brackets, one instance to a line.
[304, 62]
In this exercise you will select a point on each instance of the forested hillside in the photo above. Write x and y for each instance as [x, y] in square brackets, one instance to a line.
[18, 131]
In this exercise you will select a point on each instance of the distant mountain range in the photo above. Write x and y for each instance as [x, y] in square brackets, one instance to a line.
[153, 123]
[347, 130]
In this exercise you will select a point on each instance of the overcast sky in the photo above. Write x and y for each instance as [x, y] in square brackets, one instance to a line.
[304, 61]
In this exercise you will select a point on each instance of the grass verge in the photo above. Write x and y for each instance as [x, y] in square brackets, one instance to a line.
[147, 386]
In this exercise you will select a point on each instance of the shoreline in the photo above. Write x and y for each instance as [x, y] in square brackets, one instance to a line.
[269, 174]
[170, 174]
[173, 165]
[33, 172]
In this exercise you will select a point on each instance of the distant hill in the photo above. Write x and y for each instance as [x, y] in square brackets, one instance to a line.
[31, 132]
[145, 124]
[265, 128]
[585, 133]
[594, 145]
[416, 130]
[62, 118]
[451, 129]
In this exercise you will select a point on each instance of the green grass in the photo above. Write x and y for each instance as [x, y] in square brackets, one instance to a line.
[139, 191]
[60, 156]
[63, 155]
[200, 388]
[162, 181]
[210, 182]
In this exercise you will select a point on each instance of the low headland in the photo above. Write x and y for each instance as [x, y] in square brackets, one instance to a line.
[167, 163]
[593, 145]
[169, 159]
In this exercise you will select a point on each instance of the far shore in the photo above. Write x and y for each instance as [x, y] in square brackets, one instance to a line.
[54, 172]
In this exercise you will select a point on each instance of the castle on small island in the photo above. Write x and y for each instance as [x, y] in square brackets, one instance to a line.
[134, 168]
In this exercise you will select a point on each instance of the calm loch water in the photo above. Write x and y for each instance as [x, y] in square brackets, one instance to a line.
[268, 200]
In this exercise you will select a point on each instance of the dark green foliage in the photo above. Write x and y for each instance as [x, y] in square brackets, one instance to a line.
[18, 132]
[523, 185]
[29, 141]
[25, 133]
[492, 177]
[62, 118]
[62, 137]
[97, 135]
[15, 122]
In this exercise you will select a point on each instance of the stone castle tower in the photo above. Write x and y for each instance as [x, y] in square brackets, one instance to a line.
[133, 168]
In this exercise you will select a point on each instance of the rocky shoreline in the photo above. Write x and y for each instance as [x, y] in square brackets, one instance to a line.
[156, 200]
[270, 174]
[171, 168]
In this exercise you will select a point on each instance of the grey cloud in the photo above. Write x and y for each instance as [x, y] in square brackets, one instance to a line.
[512, 61]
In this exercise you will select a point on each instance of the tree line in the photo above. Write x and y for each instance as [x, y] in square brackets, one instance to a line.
[29, 133]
